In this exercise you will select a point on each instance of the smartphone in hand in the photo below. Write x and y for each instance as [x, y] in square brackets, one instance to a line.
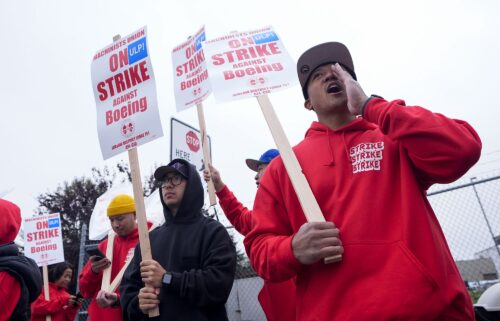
[93, 250]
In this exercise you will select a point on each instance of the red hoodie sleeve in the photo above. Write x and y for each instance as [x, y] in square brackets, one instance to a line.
[90, 282]
[269, 243]
[237, 214]
[10, 292]
[440, 148]
[43, 307]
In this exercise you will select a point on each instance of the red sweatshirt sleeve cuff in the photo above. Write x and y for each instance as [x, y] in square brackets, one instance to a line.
[224, 192]
[287, 257]
[370, 109]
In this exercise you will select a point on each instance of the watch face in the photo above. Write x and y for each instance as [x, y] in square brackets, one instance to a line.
[167, 278]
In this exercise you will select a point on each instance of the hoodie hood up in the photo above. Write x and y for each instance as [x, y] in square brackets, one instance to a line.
[10, 221]
[192, 201]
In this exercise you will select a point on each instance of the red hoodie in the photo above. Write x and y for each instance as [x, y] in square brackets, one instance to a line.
[90, 282]
[10, 290]
[57, 306]
[276, 299]
[370, 178]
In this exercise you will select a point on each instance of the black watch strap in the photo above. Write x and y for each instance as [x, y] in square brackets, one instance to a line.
[362, 110]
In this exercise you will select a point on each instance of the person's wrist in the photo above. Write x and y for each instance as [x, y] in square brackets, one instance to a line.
[219, 187]
[166, 279]
[362, 109]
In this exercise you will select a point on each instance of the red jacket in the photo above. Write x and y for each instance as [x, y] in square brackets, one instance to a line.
[370, 178]
[90, 282]
[276, 299]
[10, 292]
[57, 306]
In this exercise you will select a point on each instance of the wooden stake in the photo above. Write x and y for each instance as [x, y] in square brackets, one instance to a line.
[46, 293]
[306, 197]
[140, 212]
[206, 153]
[119, 276]
[106, 274]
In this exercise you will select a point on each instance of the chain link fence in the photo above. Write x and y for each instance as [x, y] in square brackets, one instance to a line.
[469, 214]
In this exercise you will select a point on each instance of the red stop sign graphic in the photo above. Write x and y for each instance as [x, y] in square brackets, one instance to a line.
[192, 141]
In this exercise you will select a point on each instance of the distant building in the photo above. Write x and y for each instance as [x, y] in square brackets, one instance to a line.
[481, 269]
[492, 254]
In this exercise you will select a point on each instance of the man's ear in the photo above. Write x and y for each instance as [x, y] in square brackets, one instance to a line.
[308, 105]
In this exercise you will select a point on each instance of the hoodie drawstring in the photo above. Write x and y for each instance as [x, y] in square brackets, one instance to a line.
[332, 162]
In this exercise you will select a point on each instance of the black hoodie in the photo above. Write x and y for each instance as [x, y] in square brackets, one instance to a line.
[200, 255]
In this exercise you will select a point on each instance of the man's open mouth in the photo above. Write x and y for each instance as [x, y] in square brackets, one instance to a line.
[333, 88]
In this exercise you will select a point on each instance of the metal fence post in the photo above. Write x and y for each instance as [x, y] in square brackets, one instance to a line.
[484, 215]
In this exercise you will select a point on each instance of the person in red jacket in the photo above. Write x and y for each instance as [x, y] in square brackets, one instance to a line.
[276, 299]
[61, 306]
[369, 163]
[106, 305]
[20, 278]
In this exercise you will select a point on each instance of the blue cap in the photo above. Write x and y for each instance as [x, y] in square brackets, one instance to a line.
[265, 158]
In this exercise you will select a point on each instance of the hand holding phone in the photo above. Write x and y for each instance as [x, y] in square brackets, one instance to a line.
[93, 250]
[75, 300]
[98, 260]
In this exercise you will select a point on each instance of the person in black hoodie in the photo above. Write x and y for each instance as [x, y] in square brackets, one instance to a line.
[20, 278]
[194, 259]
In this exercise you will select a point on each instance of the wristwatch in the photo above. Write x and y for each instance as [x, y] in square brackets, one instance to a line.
[167, 278]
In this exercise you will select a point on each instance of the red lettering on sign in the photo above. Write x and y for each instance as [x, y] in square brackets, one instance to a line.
[127, 110]
[249, 71]
[253, 52]
[123, 81]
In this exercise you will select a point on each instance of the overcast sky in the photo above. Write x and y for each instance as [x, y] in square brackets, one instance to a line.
[442, 55]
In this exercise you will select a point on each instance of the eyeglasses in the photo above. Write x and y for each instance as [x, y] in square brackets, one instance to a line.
[174, 180]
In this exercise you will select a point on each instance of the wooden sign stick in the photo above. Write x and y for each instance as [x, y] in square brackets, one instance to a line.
[46, 294]
[119, 276]
[106, 274]
[306, 197]
[206, 153]
[140, 210]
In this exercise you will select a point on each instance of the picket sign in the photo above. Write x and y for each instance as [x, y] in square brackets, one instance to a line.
[46, 294]
[306, 197]
[206, 153]
[201, 90]
[106, 273]
[140, 209]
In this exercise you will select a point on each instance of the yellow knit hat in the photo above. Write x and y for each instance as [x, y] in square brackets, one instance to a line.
[121, 204]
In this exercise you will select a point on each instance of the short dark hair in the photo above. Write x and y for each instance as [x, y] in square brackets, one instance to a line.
[57, 270]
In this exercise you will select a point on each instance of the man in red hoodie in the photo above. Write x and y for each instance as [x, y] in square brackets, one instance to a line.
[369, 163]
[20, 279]
[277, 299]
[106, 305]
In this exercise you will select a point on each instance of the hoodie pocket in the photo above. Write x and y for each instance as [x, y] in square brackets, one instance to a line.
[385, 280]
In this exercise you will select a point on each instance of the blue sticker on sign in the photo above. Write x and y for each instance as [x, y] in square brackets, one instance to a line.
[53, 222]
[265, 37]
[137, 51]
[198, 41]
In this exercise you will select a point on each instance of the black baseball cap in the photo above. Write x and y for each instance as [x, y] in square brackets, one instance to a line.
[325, 53]
[176, 166]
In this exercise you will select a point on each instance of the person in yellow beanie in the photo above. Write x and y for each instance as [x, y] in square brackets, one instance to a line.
[106, 305]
